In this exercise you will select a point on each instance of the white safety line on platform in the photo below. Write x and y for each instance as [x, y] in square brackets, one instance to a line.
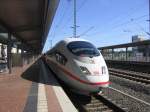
[64, 101]
[42, 101]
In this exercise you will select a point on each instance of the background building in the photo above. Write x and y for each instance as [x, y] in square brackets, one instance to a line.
[140, 51]
[137, 38]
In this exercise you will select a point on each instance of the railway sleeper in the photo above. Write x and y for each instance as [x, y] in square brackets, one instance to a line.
[100, 108]
[94, 104]
[95, 101]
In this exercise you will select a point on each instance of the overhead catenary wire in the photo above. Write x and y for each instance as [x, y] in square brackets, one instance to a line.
[119, 18]
[59, 23]
[82, 34]
[56, 27]
[121, 24]
[129, 21]
[75, 17]
[65, 23]
[82, 5]
[142, 29]
[71, 15]
[127, 14]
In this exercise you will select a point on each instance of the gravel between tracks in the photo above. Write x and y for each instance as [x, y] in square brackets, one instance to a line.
[135, 89]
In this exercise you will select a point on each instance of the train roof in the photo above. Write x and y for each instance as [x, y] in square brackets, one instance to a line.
[68, 40]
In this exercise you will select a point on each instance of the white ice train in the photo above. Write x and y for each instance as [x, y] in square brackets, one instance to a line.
[79, 64]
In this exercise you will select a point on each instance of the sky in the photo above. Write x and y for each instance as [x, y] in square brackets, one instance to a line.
[103, 22]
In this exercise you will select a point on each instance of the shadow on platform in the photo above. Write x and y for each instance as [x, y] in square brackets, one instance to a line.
[34, 73]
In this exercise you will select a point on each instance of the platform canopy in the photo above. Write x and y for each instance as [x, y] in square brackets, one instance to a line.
[28, 21]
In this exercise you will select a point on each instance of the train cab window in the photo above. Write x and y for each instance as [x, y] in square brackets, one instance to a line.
[60, 58]
[82, 48]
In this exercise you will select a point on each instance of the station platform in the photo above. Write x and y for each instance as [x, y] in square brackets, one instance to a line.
[32, 88]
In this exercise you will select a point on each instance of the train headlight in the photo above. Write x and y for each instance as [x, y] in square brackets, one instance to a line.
[103, 70]
[84, 70]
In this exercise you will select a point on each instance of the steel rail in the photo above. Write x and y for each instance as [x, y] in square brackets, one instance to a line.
[139, 100]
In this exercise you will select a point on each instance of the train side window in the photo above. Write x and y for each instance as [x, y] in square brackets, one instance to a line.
[60, 58]
[51, 53]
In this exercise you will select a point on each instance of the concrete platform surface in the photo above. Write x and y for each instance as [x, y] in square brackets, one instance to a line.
[32, 88]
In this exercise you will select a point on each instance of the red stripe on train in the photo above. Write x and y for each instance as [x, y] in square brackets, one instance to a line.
[76, 78]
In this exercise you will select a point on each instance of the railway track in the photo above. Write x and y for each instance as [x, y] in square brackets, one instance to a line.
[104, 105]
[93, 103]
[98, 103]
[139, 77]
[103, 102]
[112, 100]
[109, 101]
[132, 103]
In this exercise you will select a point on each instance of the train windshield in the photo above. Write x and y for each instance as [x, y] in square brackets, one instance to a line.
[82, 48]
